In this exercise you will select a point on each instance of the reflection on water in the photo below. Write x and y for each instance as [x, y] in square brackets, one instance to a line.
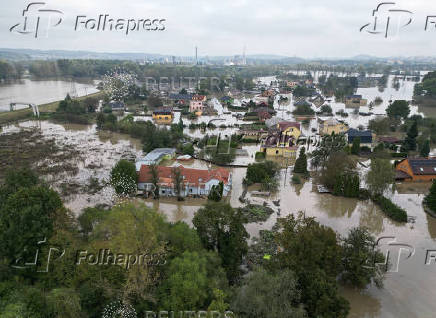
[41, 91]
[408, 293]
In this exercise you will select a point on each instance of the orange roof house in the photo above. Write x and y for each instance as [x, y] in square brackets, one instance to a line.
[195, 181]
[416, 169]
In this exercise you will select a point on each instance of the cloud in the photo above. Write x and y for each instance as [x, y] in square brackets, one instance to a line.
[306, 28]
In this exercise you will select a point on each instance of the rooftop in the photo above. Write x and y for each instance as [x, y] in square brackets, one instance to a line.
[154, 156]
[423, 166]
[194, 177]
[359, 133]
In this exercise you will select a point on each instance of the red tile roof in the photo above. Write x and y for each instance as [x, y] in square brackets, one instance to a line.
[192, 176]
[283, 125]
[199, 98]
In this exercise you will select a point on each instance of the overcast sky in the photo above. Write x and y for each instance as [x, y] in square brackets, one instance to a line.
[304, 28]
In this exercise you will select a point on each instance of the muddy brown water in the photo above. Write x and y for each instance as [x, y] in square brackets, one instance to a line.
[408, 293]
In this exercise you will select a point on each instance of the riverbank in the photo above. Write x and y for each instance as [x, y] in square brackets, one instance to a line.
[23, 114]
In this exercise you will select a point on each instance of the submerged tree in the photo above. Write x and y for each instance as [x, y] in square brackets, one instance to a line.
[123, 177]
[380, 176]
[301, 162]
[430, 198]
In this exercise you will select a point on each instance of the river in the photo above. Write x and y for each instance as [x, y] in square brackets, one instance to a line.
[42, 91]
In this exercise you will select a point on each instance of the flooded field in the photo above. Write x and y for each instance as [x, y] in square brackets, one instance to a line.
[407, 293]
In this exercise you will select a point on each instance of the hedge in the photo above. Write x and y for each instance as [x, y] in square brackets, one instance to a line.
[399, 155]
[390, 209]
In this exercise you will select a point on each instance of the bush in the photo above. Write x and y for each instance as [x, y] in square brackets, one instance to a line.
[399, 155]
[260, 155]
[261, 172]
[390, 209]
[296, 179]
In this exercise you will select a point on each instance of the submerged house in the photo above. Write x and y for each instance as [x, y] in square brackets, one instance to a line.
[355, 101]
[116, 105]
[163, 116]
[196, 105]
[366, 137]
[416, 169]
[282, 140]
[195, 181]
[155, 156]
[331, 125]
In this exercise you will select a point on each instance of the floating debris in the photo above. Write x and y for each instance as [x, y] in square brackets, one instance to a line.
[322, 189]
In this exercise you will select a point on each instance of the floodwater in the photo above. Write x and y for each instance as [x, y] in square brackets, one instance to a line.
[41, 91]
[410, 292]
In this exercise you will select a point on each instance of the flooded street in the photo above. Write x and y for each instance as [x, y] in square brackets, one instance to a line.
[407, 293]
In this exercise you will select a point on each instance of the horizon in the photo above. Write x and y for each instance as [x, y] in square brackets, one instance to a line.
[313, 30]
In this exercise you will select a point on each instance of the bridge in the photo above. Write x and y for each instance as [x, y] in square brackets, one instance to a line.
[34, 107]
[215, 119]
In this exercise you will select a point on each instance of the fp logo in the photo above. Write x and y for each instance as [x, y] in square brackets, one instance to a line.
[387, 19]
[37, 18]
[35, 262]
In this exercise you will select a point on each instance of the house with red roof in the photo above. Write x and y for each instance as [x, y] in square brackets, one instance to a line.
[195, 181]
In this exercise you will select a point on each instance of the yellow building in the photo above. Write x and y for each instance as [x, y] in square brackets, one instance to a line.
[163, 116]
[274, 151]
[289, 128]
[282, 142]
[328, 126]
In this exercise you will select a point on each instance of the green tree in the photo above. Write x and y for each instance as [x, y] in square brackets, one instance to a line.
[178, 182]
[220, 228]
[425, 149]
[380, 176]
[188, 149]
[360, 259]
[187, 283]
[155, 180]
[258, 172]
[263, 295]
[123, 177]
[216, 192]
[312, 251]
[398, 109]
[337, 165]
[355, 148]
[328, 146]
[410, 140]
[430, 198]
[64, 302]
[301, 162]
[27, 216]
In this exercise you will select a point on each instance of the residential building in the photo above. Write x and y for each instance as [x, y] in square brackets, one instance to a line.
[291, 84]
[116, 105]
[155, 156]
[290, 128]
[282, 140]
[366, 137]
[196, 105]
[195, 181]
[163, 116]
[331, 125]
[355, 101]
[416, 169]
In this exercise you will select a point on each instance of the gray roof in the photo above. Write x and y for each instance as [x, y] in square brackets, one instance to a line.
[154, 156]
